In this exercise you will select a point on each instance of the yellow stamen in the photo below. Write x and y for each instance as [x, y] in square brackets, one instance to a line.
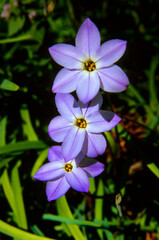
[89, 66]
[81, 123]
[68, 167]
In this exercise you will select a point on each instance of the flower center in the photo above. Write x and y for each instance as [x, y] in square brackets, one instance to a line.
[68, 167]
[81, 123]
[89, 66]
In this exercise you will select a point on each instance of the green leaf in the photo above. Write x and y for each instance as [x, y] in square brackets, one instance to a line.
[98, 213]
[27, 125]
[16, 39]
[39, 161]
[62, 219]
[19, 234]
[15, 24]
[17, 191]
[153, 168]
[3, 125]
[8, 191]
[8, 85]
[22, 146]
[64, 210]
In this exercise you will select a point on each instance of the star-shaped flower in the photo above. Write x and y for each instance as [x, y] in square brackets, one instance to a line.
[80, 125]
[62, 175]
[89, 66]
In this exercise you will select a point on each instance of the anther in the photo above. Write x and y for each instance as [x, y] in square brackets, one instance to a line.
[68, 167]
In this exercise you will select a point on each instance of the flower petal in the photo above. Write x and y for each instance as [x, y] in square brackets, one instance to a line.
[113, 79]
[88, 86]
[92, 167]
[67, 55]
[50, 171]
[58, 128]
[88, 38]
[65, 81]
[94, 145]
[101, 121]
[110, 52]
[56, 189]
[54, 154]
[78, 180]
[92, 106]
[72, 143]
[67, 106]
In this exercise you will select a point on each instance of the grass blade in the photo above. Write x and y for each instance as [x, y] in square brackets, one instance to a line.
[22, 146]
[19, 234]
[17, 191]
[3, 124]
[64, 210]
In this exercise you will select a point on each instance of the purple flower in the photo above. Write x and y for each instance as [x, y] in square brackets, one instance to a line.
[62, 175]
[80, 125]
[89, 64]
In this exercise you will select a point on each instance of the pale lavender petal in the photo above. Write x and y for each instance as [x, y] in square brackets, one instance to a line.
[50, 171]
[65, 81]
[92, 167]
[58, 128]
[88, 86]
[94, 145]
[88, 38]
[67, 55]
[101, 121]
[110, 52]
[92, 106]
[67, 106]
[56, 189]
[54, 154]
[113, 79]
[78, 180]
[72, 143]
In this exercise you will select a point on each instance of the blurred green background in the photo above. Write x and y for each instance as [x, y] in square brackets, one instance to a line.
[27, 29]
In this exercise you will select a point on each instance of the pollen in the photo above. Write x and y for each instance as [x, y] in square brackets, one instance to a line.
[81, 123]
[89, 66]
[68, 167]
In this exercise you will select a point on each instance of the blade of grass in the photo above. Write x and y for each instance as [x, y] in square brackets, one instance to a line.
[27, 125]
[39, 161]
[19, 234]
[17, 191]
[22, 146]
[7, 188]
[153, 168]
[64, 210]
[15, 39]
[98, 210]
[62, 219]
[3, 124]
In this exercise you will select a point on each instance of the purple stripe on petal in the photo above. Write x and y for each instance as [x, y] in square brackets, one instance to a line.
[92, 167]
[50, 171]
[67, 55]
[78, 180]
[58, 128]
[67, 106]
[92, 106]
[113, 79]
[88, 86]
[94, 145]
[56, 189]
[88, 38]
[65, 81]
[72, 143]
[110, 52]
[54, 154]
